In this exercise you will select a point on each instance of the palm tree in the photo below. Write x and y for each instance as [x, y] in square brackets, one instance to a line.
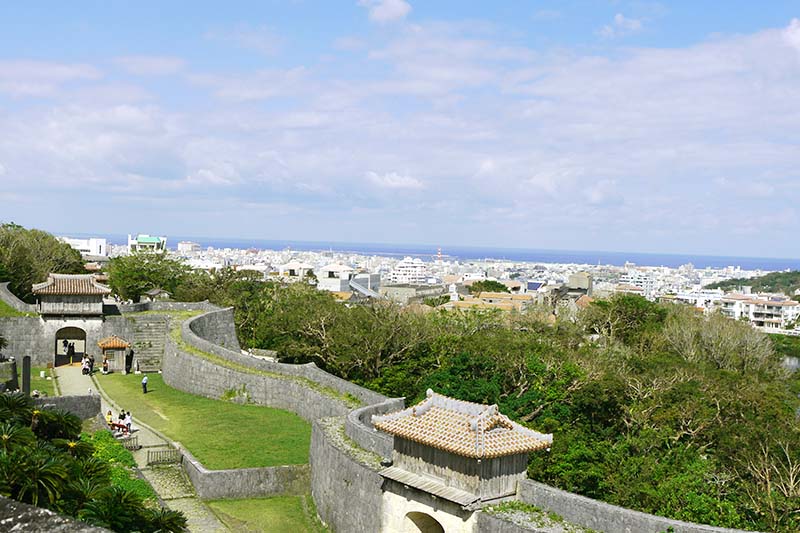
[39, 477]
[166, 520]
[16, 407]
[14, 436]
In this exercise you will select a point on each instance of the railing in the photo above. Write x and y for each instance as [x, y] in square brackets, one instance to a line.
[161, 457]
[131, 443]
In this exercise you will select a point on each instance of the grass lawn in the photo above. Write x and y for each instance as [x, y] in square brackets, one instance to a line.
[220, 434]
[282, 514]
[7, 310]
[42, 384]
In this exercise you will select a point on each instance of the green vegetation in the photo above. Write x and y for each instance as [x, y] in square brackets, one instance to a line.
[8, 311]
[42, 384]
[530, 515]
[220, 434]
[785, 282]
[487, 285]
[283, 514]
[27, 256]
[786, 345]
[44, 461]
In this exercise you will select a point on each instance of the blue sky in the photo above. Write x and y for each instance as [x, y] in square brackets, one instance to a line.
[618, 125]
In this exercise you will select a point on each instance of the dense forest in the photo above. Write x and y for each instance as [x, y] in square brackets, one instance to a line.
[785, 282]
[652, 406]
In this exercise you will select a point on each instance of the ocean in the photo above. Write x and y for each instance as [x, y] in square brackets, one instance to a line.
[467, 253]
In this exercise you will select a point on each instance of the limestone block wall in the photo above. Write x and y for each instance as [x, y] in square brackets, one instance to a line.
[166, 306]
[218, 328]
[358, 426]
[492, 524]
[8, 376]
[602, 516]
[84, 407]
[291, 480]
[191, 373]
[347, 493]
[309, 371]
[18, 516]
[8, 297]
[25, 336]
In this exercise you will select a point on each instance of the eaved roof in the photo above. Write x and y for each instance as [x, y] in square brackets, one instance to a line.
[113, 343]
[70, 284]
[462, 428]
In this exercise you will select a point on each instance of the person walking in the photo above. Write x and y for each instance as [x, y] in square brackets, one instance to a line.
[144, 384]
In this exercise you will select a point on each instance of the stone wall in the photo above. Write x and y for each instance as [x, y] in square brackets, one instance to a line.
[217, 327]
[194, 374]
[494, 524]
[602, 516]
[347, 493]
[8, 376]
[166, 306]
[291, 480]
[17, 516]
[308, 371]
[8, 297]
[358, 426]
[84, 407]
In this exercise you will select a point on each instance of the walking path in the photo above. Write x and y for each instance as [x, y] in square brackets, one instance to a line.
[169, 481]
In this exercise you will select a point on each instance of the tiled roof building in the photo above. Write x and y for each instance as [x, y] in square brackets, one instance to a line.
[71, 295]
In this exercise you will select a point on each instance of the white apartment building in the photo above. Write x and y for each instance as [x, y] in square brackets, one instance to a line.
[705, 299]
[146, 243]
[767, 312]
[188, 247]
[410, 271]
[92, 246]
[642, 280]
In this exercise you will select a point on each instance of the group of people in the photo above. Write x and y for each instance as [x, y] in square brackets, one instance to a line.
[87, 365]
[122, 425]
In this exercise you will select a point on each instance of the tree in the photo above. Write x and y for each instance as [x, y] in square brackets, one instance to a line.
[27, 256]
[132, 275]
[487, 285]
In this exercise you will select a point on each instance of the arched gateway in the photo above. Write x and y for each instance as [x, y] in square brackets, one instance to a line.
[70, 345]
[422, 523]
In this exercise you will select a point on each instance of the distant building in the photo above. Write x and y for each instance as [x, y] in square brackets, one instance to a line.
[412, 271]
[146, 243]
[639, 279]
[188, 247]
[295, 270]
[93, 246]
[336, 277]
[405, 293]
[766, 312]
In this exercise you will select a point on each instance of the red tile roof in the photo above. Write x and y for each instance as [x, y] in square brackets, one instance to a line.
[463, 428]
[113, 343]
[71, 284]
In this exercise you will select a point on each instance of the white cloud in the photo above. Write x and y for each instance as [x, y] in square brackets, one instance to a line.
[151, 65]
[41, 78]
[621, 26]
[792, 34]
[383, 11]
[393, 180]
[261, 39]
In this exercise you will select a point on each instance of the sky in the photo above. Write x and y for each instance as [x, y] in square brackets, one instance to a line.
[636, 126]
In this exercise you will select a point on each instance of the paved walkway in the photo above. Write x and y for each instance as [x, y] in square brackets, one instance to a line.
[169, 481]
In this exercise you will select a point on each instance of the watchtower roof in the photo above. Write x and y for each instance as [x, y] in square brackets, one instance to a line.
[462, 428]
[70, 285]
[113, 343]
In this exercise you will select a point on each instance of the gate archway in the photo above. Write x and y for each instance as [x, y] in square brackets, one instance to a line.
[416, 522]
[70, 345]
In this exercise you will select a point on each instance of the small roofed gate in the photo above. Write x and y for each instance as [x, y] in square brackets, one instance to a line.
[70, 345]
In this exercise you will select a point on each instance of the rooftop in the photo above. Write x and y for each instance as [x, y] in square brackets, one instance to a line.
[70, 285]
[113, 343]
[462, 428]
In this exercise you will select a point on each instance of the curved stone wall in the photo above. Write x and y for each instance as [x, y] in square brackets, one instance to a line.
[308, 371]
[358, 426]
[8, 297]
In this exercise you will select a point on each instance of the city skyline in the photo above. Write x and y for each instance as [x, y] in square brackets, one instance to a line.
[630, 126]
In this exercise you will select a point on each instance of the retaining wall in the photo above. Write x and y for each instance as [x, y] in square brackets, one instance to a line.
[8, 297]
[292, 480]
[217, 327]
[308, 371]
[347, 493]
[84, 407]
[18, 516]
[194, 374]
[166, 306]
[493, 524]
[358, 426]
[602, 516]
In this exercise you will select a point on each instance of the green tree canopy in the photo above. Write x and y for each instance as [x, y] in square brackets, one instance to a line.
[27, 256]
[132, 275]
[487, 285]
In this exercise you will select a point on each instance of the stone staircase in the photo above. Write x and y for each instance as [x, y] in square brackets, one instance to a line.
[149, 339]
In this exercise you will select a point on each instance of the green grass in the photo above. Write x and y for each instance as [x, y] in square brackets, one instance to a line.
[42, 384]
[6, 311]
[282, 514]
[219, 434]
